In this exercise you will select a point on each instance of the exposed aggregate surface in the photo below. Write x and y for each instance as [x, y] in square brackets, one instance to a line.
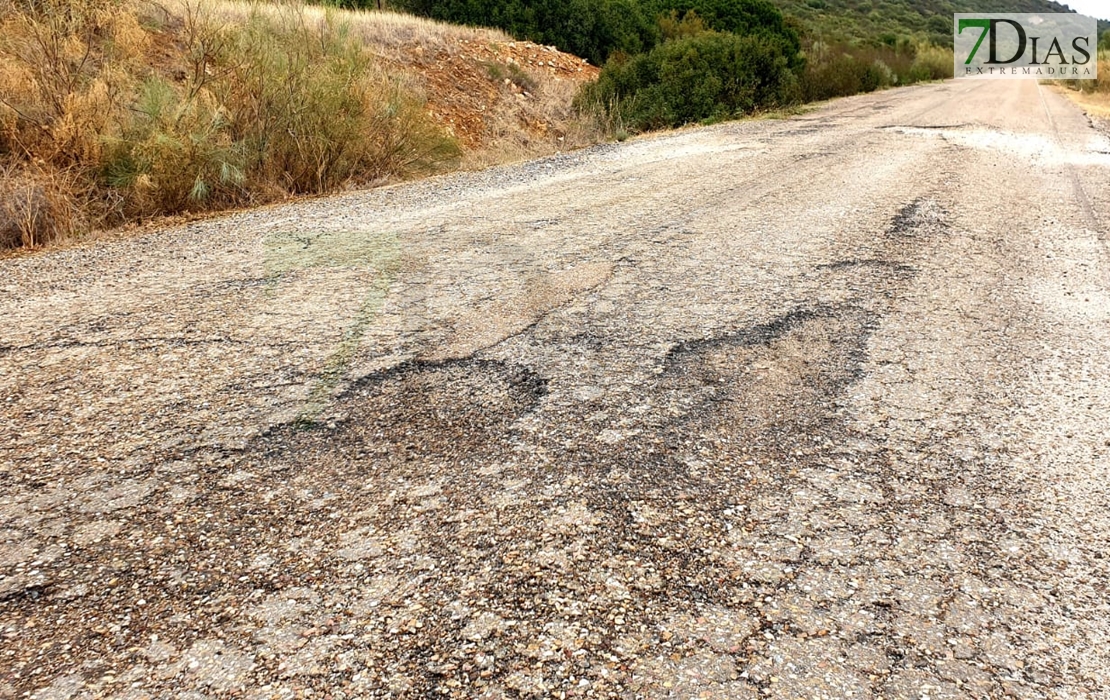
[811, 408]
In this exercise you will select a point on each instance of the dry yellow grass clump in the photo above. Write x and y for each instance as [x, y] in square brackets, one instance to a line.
[121, 110]
[1094, 95]
[391, 34]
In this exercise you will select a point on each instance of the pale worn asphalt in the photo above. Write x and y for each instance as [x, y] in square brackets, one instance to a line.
[816, 407]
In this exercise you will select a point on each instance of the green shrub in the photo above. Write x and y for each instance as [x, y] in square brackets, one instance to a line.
[837, 71]
[711, 76]
[671, 26]
[735, 16]
[931, 63]
[172, 153]
[311, 106]
[592, 29]
[833, 72]
[743, 17]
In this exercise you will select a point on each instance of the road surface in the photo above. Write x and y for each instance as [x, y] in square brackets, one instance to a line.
[815, 407]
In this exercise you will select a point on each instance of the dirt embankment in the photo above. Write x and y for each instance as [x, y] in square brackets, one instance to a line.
[505, 98]
[502, 99]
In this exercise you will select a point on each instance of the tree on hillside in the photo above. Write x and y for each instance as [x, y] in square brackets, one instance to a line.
[592, 29]
[744, 18]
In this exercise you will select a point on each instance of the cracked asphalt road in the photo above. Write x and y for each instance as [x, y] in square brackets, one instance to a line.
[810, 408]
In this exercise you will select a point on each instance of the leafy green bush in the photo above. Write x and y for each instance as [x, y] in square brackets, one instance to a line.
[725, 58]
[744, 17]
[710, 76]
[592, 29]
[672, 26]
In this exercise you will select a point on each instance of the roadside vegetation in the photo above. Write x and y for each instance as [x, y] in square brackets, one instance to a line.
[114, 111]
[592, 29]
[704, 70]
[1094, 95]
[887, 21]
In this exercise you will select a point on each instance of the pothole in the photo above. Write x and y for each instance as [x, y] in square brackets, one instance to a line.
[921, 217]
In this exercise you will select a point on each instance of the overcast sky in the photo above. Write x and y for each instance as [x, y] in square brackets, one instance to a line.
[1091, 8]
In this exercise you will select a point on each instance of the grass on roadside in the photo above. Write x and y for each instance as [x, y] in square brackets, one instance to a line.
[1093, 95]
[117, 110]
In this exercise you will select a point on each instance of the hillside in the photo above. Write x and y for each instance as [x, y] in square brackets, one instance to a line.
[499, 98]
[888, 20]
[183, 108]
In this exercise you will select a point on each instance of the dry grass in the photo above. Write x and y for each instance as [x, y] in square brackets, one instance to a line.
[35, 208]
[544, 123]
[120, 111]
[1094, 103]
[1093, 95]
[150, 110]
[389, 34]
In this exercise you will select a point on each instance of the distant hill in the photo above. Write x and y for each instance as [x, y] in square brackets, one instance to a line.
[885, 21]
